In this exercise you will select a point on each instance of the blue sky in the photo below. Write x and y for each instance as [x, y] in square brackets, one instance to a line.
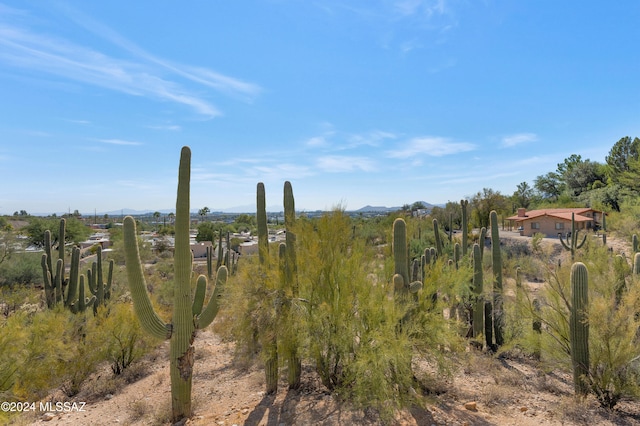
[355, 102]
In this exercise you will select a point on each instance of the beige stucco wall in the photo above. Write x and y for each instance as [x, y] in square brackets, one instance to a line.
[548, 226]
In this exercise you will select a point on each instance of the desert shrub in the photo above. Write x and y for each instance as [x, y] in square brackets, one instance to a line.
[21, 269]
[47, 352]
[344, 322]
[351, 325]
[117, 334]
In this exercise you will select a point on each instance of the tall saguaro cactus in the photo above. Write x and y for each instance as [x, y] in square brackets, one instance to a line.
[291, 277]
[465, 225]
[188, 315]
[261, 218]
[438, 239]
[498, 299]
[400, 256]
[477, 288]
[579, 327]
[271, 345]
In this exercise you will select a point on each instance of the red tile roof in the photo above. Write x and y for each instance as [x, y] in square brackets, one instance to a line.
[559, 213]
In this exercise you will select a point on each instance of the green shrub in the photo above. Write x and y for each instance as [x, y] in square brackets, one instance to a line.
[21, 269]
[345, 320]
[117, 334]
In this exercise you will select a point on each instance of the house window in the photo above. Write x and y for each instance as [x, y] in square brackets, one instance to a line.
[535, 225]
[559, 226]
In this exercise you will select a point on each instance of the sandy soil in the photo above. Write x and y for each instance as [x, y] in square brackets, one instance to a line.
[487, 391]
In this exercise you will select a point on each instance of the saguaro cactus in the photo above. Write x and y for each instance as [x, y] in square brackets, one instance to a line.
[438, 239]
[291, 278]
[465, 225]
[400, 255]
[579, 327]
[572, 244]
[477, 288]
[97, 286]
[57, 288]
[54, 281]
[271, 345]
[498, 299]
[636, 264]
[188, 315]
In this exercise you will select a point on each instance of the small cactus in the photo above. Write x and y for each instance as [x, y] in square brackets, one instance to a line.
[572, 244]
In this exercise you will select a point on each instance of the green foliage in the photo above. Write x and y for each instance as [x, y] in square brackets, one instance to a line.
[621, 156]
[75, 232]
[523, 195]
[118, 336]
[207, 231]
[21, 269]
[344, 319]
[483, 202]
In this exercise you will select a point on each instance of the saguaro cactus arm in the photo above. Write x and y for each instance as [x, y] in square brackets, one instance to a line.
[211, 310]
[149, 320]
[198, 297]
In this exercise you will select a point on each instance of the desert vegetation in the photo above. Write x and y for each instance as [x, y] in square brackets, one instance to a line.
[385, 311]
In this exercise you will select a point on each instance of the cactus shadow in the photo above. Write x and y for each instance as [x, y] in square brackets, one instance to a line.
[257, 415]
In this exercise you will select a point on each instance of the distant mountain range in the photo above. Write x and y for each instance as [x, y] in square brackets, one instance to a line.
[237, 209]
[383, 209]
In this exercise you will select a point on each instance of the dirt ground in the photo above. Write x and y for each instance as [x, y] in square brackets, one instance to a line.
[485, 390]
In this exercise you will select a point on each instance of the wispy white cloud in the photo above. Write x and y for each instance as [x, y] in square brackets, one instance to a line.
[75, 121]
[317, 141]
[204, 76]
[120, 142]
[373, 138]
[343, 163]
[427, 8]
[146, 75]
[169, 127]
[518, 138]
[431, 146]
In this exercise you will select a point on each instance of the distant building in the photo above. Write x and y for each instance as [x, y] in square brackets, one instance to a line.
[552, 222]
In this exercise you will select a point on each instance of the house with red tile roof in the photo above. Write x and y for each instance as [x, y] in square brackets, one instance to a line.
[552, 222]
